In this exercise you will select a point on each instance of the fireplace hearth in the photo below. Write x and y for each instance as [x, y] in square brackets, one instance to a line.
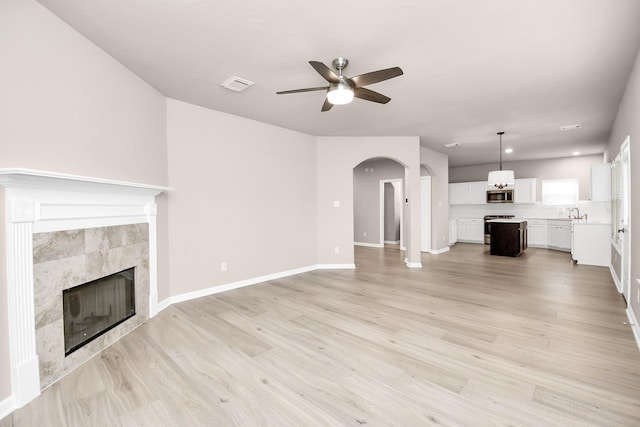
[94, 308]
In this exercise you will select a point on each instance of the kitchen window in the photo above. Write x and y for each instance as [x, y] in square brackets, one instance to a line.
[560, 191]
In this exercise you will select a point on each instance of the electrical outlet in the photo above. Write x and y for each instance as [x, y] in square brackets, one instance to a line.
[336, 250]
[223, 266]
[364, 233]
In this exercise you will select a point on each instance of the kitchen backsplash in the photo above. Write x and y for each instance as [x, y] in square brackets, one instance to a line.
[596, 211]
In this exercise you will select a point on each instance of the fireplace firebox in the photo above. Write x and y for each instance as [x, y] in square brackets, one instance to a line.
[95, 307]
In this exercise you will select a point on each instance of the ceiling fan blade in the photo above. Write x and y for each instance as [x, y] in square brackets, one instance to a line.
[376, 76]
[327, 105]
[309, 89]
[370, 95]
[326, 72]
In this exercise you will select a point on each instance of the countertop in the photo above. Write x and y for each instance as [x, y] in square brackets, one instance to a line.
[508, 220]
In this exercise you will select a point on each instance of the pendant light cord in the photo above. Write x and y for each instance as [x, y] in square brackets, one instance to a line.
[500, 133]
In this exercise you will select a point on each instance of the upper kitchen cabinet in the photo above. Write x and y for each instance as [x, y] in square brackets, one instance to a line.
[601, 182]
[468, 193]
[525, 191]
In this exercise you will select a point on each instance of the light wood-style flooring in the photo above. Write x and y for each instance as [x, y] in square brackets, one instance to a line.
[468, 340]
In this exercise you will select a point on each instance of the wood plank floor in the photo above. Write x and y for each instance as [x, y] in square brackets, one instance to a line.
[468, 340]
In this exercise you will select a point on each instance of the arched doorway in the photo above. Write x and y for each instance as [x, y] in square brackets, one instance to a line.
[378, 203]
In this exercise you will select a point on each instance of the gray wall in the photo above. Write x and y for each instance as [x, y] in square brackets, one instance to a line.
[68, 107]
[569, 167]
[366, 197]
[627, 123]
[244, 195]
[437, 165]
[392, 211]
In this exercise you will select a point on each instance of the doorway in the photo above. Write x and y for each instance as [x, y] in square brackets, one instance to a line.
[391, 212]
[622, 212]
[425, 216]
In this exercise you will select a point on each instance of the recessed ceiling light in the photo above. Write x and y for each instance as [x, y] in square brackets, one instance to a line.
[508, 150]
[452, 145]
[575, 153]
[571, 127]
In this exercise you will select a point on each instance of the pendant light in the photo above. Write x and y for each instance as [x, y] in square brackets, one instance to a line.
[501, 178]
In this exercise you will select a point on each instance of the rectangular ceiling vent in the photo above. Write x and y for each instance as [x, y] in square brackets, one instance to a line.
[571, 127]
[236, 84]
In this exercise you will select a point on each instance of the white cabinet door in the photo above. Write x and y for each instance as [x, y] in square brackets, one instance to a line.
[475, 230]
[525, 191]
[453, 231]
[478, 193]
[559, 235]
[462, 230]
[537, 230]
[459, 193]
[601, 182]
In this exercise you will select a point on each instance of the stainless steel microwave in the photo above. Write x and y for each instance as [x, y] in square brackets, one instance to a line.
[500, 196]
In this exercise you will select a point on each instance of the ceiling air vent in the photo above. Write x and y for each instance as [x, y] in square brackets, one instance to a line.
[236, 84]
[571, 127]
[452, 145]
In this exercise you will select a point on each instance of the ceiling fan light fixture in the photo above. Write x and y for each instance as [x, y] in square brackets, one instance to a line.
[340, 94]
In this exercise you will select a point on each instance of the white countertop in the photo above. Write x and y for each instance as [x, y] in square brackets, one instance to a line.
[508, 220]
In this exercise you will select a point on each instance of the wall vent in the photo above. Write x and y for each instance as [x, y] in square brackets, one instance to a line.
[236, 84]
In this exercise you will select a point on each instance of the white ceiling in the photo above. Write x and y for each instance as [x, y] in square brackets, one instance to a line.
[471, 67]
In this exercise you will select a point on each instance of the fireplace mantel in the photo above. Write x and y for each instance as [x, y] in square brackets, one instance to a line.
[39, 201]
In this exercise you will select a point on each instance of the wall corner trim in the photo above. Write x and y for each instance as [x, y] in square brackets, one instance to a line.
[439, 251]
[7, 406]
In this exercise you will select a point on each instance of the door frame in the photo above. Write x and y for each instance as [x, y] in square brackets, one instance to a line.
[401, 189]
[425, 214]
[625, 266]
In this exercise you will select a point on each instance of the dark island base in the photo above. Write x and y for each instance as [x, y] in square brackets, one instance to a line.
[508, 238]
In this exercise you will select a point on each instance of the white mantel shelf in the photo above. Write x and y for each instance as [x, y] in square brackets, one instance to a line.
[31, 177]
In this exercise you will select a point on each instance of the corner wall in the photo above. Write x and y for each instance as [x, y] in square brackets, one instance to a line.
[336, 158]
[627, 123]
[244, 195]
[69, 107]
[438, 165]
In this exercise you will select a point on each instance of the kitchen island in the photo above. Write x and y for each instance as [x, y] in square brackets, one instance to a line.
[508, 236]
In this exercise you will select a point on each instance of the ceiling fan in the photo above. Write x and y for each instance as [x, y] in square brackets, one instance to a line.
[342, 89]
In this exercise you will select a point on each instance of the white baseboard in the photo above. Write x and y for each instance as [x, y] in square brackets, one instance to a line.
[392, 242]
[439, 251]
[248, 282]
[414, 264]
[370, 245]
[7, 406]
[633, 322]
[615, 278]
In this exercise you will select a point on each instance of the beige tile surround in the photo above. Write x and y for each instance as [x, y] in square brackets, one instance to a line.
[64, 259]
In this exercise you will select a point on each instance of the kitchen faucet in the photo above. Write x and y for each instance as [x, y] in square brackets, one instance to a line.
[571, 213]
[578, 214]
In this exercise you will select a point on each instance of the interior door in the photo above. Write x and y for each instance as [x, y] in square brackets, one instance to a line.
[624, 222]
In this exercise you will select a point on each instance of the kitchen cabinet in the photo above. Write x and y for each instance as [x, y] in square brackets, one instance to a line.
[591, 244]
[559, 234]
[470, 230]
[508, 237]
[453, 231]
[525, 191]
[601, 182]
[468, 193]
[537, 229]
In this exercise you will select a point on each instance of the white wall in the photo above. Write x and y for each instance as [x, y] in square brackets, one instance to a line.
[67, 106]
[438, 166]
[244, 195]
[336, 158]
[568, 167]
[627, 123]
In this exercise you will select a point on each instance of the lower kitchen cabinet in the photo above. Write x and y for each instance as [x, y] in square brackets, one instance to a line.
[559, 235]
[470, 230]
[591, 244]
[537, 233]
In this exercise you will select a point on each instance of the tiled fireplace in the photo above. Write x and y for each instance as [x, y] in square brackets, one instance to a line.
[64, 231]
